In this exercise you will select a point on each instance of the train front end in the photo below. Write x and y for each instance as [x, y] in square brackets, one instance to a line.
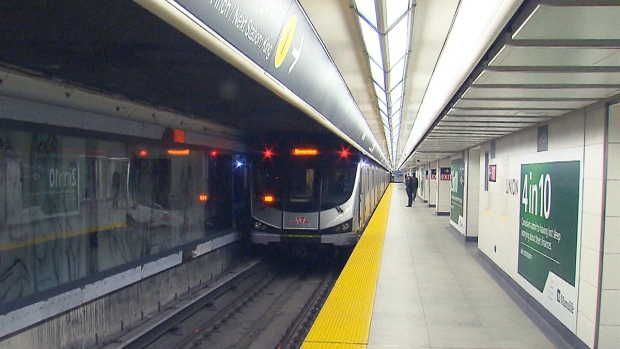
[306, 195]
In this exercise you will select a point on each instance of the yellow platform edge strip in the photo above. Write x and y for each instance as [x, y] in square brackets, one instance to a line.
[344, 320]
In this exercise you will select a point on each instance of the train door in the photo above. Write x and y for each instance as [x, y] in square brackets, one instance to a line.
[362, 201]
[240, 190]
[267, 191]
[301, 206]
[219, 215]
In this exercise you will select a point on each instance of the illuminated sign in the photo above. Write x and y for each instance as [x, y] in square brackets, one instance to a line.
[305, 152]
[178, 151]
[178, 136]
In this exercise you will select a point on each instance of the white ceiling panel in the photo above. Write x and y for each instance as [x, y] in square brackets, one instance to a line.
[509, 112]
[483, 124]
[552, 56]
[499, 78]
[492, 119]
[612, 61]
[577, 22]
[545, 93]
[522, 104]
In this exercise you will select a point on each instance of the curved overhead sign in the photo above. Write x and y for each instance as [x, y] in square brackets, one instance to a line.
[276, 35]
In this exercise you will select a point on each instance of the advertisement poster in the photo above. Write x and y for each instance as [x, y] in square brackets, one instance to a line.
[548, 234]
[457, 191]
[53, 186]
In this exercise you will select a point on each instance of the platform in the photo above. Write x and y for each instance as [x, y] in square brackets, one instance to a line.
[413, 282]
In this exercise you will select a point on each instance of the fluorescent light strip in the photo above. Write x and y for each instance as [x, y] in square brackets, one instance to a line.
[387, 75]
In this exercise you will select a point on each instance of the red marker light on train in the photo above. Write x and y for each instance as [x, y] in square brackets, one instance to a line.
[305, 152]
[268, 153]
[213, 153]
[143, 152]
[344, 153]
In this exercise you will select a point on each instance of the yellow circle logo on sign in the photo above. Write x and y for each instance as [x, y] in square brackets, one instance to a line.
[285, 40]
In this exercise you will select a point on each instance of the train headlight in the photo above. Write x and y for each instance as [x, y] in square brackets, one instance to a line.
[259, 226]
[344, 227]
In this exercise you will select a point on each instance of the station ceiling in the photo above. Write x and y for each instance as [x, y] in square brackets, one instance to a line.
[535, 60]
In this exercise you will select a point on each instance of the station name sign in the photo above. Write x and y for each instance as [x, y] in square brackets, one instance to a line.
[276, 35]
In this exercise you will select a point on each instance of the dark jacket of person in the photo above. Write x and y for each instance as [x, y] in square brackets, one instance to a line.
[409, 184]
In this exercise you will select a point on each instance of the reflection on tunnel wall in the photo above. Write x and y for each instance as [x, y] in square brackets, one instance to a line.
[71, 207]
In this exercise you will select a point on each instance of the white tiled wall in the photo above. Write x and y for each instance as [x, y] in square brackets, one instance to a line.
[581, 132]
[591, 221]
[609, 330]
[432, 184]
[472, 199]
[443, 187]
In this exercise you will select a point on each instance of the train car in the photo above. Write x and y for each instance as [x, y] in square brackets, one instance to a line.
[321, 193]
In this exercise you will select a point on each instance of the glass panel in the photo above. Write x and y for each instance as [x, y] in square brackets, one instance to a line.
[380, 94]
[71, 207]
[371, 39]
[383, 108]
[398, 41]
[268, 182]
[377, 73]
[338, 185]
[367, 9]
[397, 73]
[395, 9]
[397, 91]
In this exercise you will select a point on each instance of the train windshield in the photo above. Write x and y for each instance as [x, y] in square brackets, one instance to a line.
[338, 185]
[304, 184]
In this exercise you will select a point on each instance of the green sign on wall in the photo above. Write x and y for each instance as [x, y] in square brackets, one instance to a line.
[54, 185]
[457, 190]
[549, 221]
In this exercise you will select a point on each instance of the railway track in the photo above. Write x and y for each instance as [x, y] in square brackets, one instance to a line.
[261, 305]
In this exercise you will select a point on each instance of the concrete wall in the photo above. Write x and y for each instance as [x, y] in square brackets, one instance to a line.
[105, 318]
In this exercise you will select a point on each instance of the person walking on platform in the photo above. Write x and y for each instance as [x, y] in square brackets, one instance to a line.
[414, 184]
[409, 189]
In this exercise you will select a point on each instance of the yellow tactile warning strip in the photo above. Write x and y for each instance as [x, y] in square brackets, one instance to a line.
[344, 320]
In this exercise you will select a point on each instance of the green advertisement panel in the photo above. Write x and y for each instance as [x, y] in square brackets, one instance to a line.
[549, 221]
[457, 190]
[53, 185]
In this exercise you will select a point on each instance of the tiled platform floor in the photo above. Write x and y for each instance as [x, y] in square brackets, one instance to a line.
[434, 291]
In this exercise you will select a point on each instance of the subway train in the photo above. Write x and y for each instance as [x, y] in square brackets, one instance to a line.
[313, 192]
[88, 203]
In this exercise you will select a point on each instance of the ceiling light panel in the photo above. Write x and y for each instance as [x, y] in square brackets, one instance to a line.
[367, 9]
[371, 40]
[398, 41]
[385, 30]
